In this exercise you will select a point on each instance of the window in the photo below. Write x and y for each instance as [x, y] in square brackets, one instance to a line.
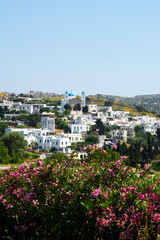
[40, 140]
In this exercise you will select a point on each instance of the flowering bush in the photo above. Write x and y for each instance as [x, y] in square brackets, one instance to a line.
[95, 198]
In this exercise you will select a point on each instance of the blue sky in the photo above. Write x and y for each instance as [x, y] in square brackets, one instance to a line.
[107, 47]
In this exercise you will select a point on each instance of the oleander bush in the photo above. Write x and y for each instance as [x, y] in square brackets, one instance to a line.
[99, 197]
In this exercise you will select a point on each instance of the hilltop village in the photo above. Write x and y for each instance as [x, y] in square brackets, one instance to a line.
[76, 162]
[71, 121]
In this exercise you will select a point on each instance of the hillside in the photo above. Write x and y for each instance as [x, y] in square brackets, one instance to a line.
[151, 102]
[118, 106]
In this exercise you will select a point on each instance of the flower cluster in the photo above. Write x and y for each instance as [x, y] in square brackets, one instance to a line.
[69, 198]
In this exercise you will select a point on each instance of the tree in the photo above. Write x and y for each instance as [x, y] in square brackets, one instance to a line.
[59, 156]
[100, 126]
[55, 111]
[15, 143]
[92, 139]
[23, 118]
[158, 133]
[4, 156]
[45, 109]
[66, 112]
[144, 153]
[3, 126]
[141, 108]
[66, 129]
[85, 109]
[108, 103]
[67, 106]
[138, 130]
[150, 147]
[62, 125]
[33, 120]
[77, 107]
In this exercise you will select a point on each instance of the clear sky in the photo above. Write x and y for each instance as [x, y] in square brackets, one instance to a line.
[99, 46]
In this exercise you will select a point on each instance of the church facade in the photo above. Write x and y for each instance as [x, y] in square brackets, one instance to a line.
[72, 100]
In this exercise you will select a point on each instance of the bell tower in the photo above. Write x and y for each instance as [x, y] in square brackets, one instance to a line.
[83, 98]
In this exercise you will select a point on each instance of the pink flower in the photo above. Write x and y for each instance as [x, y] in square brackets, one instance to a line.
[32, 224]
[106, 195]
[35, 202]
[9, 206]
[143, 196]
[25, 164]
[114, 146]
[123, 157]
[40, 163]
[24, 227]
[96, 192]
[1, 196]
[146, 166]
[156, 217]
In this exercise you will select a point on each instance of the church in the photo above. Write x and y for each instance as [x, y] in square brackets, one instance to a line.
[72, 100]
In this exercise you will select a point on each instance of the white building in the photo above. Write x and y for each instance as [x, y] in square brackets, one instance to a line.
[7, 104]
[59, 143]
[79, 128]
[30, 108]
[48, 122]
[30, 134]
[118, 134]
[33, 134]
[92, 108]
[73, 137]
[10, 115]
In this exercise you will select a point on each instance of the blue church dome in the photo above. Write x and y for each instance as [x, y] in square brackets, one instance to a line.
[66, 91]
[71, 94]
[83, 92]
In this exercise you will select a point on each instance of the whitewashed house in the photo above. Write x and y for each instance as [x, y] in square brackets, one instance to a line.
[79, 128]
[48, 122]
[30, 108]
[59, 143]
[92, 108]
